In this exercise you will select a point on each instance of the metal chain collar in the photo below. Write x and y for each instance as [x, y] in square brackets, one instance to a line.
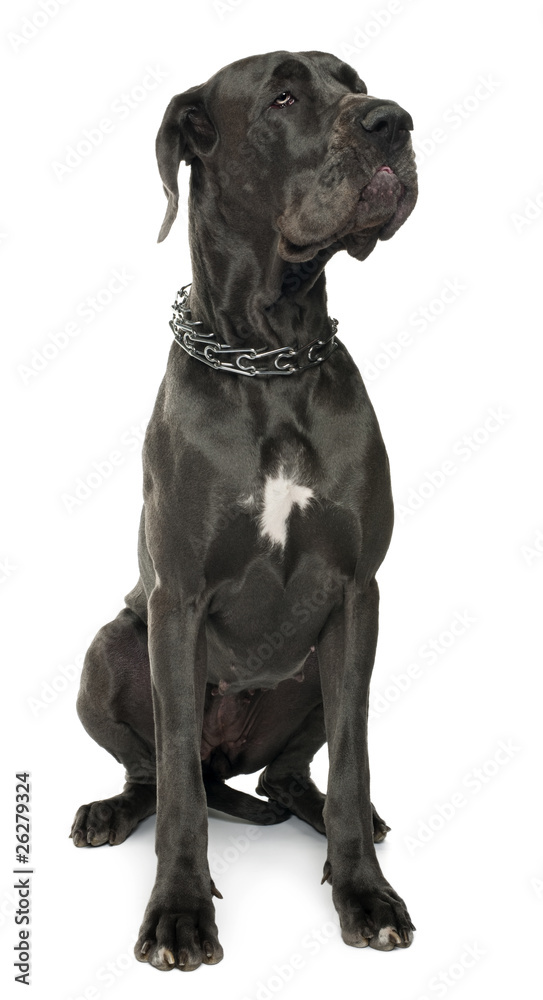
[242, 360]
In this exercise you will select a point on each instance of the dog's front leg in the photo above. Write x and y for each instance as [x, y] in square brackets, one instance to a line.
[370, 912]
[179, 927]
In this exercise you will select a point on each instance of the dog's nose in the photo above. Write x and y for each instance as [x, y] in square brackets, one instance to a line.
[387, 123]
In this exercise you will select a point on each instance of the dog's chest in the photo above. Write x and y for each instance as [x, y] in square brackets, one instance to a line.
[275, 569]
[267, 504]
[282, 493]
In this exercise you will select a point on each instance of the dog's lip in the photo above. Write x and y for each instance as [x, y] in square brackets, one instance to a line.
[385, 169]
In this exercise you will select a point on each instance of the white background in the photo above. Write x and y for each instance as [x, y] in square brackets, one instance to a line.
[470, 548]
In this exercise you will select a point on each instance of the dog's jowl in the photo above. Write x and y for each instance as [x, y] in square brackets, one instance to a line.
[249, 639]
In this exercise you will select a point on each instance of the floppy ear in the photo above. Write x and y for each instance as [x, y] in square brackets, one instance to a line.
[186, 132]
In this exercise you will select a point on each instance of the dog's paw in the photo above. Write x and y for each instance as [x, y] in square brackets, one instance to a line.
[107, 821]
[182, 937]
[376, 917]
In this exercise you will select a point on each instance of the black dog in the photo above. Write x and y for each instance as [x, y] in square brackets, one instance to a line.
[249, 639]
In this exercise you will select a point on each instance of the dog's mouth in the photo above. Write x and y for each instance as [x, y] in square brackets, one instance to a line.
[383, 204]
[378, 200]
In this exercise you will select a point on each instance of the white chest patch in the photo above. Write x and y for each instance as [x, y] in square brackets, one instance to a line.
[281, 494]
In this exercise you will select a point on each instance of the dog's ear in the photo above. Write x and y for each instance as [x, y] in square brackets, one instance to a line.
[185, 133]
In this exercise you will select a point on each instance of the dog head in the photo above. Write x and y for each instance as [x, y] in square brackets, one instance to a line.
[291, 147]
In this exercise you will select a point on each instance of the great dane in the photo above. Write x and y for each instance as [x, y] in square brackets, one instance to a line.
[249, 640]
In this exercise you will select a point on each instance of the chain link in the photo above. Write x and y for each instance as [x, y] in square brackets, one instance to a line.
[242, 360]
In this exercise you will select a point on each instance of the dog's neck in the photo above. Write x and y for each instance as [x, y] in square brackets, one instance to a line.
[248, 295]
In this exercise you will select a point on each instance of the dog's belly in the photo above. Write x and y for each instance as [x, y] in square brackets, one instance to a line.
[261, 627]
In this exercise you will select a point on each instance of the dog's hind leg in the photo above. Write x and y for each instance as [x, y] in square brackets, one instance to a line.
[115, 707]
[286, 779]
[287, 782]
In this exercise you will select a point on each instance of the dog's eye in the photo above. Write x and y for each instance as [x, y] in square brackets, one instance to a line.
[283, 100]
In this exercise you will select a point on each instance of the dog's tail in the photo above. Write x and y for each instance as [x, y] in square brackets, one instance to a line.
[229, 800]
